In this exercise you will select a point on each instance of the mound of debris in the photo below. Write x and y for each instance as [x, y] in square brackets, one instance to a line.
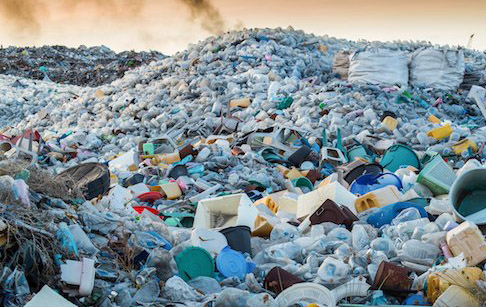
[82, 66]
[265, 167]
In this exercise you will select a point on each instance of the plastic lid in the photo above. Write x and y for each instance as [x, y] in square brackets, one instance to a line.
[231, 263]
[193, 262]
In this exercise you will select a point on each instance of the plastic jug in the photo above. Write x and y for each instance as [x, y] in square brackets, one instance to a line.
[468, 239]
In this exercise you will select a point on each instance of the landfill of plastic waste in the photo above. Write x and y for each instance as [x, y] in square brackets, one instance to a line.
[78, 66]
[264, 167]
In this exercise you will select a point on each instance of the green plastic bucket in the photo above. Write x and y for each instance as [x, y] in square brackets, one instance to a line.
[437, 175]
[193, 262]
[399, 155]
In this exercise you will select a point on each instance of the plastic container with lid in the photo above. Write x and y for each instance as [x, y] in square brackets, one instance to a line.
[437, 175]
[468, 239]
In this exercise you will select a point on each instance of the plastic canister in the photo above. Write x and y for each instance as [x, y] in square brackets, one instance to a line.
[441, 132]
[378, 198]
[398, 155]
[232, 263]
[468, 239]
[437, 175]
[468, 196]
[193, 262]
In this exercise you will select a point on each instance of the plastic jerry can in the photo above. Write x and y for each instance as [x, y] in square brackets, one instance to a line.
[468, 239]
[378, 198]
[441, 132]
[438, 176]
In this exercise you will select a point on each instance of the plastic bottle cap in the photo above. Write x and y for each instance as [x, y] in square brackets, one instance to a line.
[193, 262]
[231, 263]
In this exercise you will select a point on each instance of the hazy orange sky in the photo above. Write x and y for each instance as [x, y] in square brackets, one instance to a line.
[169, 26]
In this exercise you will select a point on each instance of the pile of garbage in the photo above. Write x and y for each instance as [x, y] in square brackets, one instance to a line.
[82, 66]
[265, 167]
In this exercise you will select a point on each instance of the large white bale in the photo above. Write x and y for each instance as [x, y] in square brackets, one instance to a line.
[379, 66]
[437, 68]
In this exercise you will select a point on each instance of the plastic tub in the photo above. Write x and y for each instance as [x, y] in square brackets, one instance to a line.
[357, 168]
[437, 175]
[398, 155]
[468, 196]
[239, 238]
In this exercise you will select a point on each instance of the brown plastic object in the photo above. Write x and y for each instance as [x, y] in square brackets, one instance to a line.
[313, 176]
[187, 150]
[329, 211]
[392, 278]
[278, 280]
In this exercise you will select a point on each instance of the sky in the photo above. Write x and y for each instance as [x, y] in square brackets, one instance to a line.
[170, 25]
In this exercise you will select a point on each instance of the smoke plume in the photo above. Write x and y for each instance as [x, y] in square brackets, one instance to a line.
[209, 16]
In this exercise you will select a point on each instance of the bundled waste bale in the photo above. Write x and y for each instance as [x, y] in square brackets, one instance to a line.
[437, 68]
[379, 66]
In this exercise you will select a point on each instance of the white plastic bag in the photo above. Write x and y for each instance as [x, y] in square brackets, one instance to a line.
[379, 66]
[441, 69]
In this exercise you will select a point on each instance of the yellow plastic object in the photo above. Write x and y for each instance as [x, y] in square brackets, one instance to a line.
[378, 198]
[434, 119]
[269, 202]
[293, 173]
[323, 48]
[282, 168]
[441, 132]
[438, 282]
[99, 94]
[262, 227]
[172, 190]
[390, 122]
[468, 239]
[463, 145]
[242, 102]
